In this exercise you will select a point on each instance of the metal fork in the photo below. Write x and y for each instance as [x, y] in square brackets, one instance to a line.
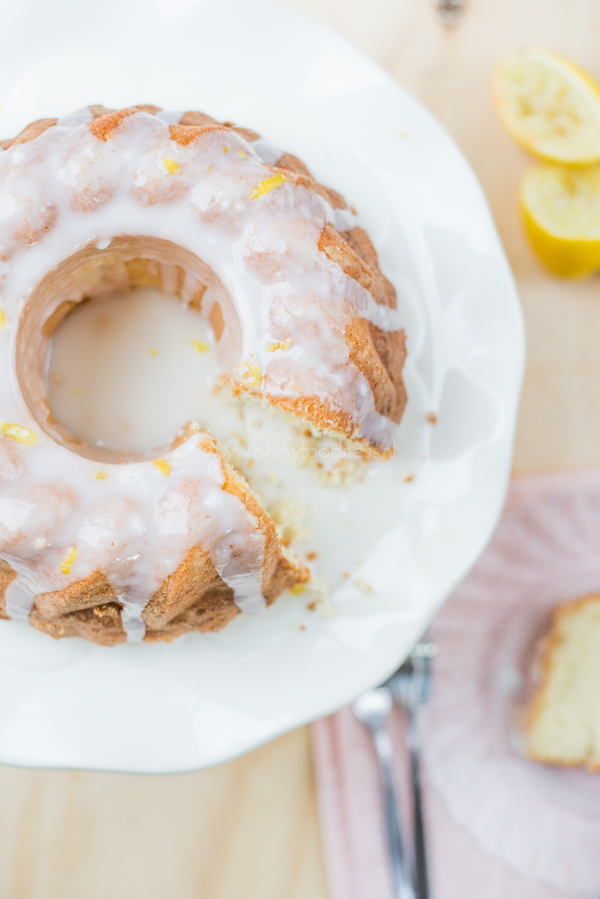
[410, 688]
[372, 710]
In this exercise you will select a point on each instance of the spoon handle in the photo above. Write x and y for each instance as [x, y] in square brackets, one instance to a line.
[403, 888]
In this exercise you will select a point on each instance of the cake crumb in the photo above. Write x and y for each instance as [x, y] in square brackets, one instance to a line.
[361, 584]
[323, 603]
[409, 478]
[289, 516]
[311, 556]
[431, 418]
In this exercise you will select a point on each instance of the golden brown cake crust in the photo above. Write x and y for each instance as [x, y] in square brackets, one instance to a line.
[194, 597]
[7, 574]
[379, 355]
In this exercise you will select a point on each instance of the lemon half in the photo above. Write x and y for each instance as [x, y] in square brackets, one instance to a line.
[561, 208]
[549, 106]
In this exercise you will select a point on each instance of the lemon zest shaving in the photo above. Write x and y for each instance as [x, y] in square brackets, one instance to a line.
[163, 466]
[278, 345]
[252, 376]
[154, 352]
[242, 154]
[67, 563]
[101, 476]
[225, 149]
[208, 168]
[201, 347]
[268, 185]
[297, 589]
[2, 319]
[171, 166]
[19, 433]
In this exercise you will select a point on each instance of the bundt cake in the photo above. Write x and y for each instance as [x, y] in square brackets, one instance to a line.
[110, 547]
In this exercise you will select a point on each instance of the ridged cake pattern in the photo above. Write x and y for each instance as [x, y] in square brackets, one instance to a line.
[106, 547]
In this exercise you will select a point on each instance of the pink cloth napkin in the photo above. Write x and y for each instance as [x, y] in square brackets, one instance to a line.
[498, 825]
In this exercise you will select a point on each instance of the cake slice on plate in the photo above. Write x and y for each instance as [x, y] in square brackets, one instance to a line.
[564, 724]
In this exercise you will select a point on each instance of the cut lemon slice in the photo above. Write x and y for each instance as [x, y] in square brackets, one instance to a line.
[561, 207]
[549, 106]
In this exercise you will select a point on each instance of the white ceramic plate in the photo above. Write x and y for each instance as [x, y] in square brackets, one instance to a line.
[204, 699]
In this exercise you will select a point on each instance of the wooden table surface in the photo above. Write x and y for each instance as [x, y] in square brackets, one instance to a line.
[249, 828]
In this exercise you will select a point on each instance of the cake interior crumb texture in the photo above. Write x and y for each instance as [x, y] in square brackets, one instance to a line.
[564, 726]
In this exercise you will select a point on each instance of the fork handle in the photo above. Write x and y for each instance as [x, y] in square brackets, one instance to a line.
[421, 877]
[402, 884]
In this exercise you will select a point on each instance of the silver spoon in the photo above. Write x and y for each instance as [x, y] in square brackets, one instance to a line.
[372, 710]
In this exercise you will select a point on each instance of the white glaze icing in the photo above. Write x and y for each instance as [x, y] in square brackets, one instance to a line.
[266, 151]
[79, 117]
[170, 116]
[67, 189]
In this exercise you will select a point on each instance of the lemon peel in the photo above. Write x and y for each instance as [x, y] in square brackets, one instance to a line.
[561, 211]
[68, 560]
[549, 106]
[19, 433]
[268, 185]
[163, 466]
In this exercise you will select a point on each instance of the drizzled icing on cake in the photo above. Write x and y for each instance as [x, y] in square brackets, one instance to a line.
[59, 522]
[68, 189]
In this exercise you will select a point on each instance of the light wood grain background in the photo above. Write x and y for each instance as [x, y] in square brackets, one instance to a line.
[249, 828]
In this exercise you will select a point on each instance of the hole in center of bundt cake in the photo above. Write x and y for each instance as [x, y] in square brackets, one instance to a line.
[117, 348]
